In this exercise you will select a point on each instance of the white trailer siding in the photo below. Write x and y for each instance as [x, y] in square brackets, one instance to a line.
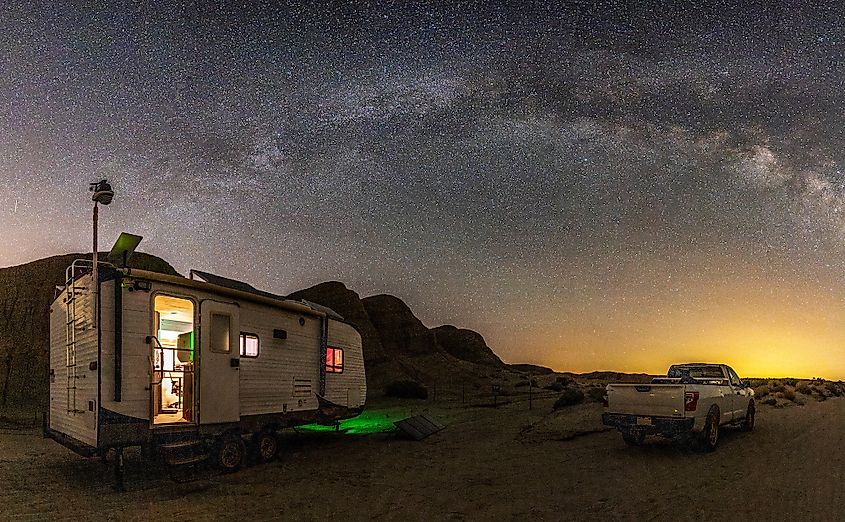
[74, 412]
[136, 325]
[348, 388]
[285, 376]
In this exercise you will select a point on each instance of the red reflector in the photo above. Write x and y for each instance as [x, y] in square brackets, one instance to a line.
[690, 401]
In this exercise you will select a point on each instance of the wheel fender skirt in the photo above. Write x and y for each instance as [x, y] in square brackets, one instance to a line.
[328, 411]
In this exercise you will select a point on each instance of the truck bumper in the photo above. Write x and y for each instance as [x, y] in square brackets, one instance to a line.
[666, 426]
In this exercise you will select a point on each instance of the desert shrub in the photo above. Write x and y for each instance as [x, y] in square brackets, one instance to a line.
[555, 386]
[565, 381]
[776, 387]
[789, 395]
[771, 401]
[790, 382]
[406, 390]
[569, 397]
[761, 391]
[804, 388]
[834, 389]
[822, 398]
[596, 393]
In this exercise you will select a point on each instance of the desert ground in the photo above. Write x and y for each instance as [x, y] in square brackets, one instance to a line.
[505, 463]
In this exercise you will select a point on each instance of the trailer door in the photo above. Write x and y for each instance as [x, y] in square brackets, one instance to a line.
[219, 360]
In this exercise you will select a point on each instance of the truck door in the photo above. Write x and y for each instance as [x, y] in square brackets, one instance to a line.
[739, 395]
[219, 362]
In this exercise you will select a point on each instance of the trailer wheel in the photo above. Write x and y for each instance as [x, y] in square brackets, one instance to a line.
[266, 445]
[709, 437]
[230, 452]
[633, 437]
[748, 423]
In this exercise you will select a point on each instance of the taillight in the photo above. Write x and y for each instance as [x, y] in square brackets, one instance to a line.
[690, 401]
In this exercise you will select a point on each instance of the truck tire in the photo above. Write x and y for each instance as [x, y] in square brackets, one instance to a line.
[230, 451]
[633, 437]
[266, 445]
[709, 437]
[748, 423]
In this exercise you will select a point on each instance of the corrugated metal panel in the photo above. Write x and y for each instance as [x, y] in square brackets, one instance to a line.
[349, 387]
[267, 383]
[81, 423]
[137, 325]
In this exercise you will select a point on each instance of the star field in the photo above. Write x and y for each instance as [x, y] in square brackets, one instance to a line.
[589, 185]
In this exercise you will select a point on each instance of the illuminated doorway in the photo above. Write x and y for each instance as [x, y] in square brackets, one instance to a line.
[173, 360]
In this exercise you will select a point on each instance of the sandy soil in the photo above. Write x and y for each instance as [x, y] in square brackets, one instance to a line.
[489, 464]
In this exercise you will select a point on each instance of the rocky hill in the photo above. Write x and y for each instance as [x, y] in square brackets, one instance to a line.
[26, 292]
[397, 345]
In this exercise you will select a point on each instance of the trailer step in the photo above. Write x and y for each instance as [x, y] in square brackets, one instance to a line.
[181, 444]
[186, 461]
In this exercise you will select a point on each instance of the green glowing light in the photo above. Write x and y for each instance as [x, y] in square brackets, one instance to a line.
[368, 423]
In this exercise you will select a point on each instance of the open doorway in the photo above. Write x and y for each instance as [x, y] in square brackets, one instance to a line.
[173, 360]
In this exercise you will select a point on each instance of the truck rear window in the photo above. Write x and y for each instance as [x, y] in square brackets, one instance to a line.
[698, 372]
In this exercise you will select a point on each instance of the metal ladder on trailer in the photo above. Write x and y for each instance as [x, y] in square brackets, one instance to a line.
[72, 324]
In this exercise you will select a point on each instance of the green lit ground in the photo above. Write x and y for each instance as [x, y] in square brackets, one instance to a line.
[368, 423]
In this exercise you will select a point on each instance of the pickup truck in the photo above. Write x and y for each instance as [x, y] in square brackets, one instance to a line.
[692, 402]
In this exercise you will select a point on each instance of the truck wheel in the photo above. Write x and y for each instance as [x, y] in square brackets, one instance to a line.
[230, 452]
[748, 423]
[709, 437]
[266, 445]
[633, 437]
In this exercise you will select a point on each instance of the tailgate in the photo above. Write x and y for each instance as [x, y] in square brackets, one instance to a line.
[659, 400]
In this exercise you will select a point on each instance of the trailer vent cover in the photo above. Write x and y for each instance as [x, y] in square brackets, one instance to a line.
[419, 427]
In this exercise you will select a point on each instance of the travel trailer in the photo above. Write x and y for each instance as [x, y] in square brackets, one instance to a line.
[192, 367]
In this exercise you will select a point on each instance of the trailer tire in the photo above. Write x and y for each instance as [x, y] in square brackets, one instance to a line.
[230, 451]
[633, 437]
[709, 437]
[748, 423]
[266, 445]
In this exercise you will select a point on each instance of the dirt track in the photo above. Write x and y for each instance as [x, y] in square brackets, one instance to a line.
[504, 464]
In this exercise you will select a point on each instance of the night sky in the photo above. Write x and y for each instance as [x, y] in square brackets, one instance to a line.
[588, 185]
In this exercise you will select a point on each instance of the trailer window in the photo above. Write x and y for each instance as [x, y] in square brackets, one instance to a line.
[249, 345]
[334, 360]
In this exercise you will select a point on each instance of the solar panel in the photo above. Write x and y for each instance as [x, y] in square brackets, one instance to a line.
[419, 427]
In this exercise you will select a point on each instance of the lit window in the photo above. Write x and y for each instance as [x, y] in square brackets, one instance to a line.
[334, 360]
[249, 345]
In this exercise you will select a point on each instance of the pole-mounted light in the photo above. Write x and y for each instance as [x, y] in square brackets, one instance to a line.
[103, 193]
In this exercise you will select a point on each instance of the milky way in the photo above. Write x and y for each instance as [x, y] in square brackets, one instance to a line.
[588, 185]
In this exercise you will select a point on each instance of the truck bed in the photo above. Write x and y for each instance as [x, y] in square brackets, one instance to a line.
[659, 400]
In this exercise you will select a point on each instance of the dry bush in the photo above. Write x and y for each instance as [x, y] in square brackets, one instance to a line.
[596, 393]
[771, 401]
[790, 382]
[406, 390]
[776, 387]
[804, 388]
[569, 397]
[834, 389]
[789, 395]
[761, 391]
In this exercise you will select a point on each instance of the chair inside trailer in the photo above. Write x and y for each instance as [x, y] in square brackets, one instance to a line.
[173, 360]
